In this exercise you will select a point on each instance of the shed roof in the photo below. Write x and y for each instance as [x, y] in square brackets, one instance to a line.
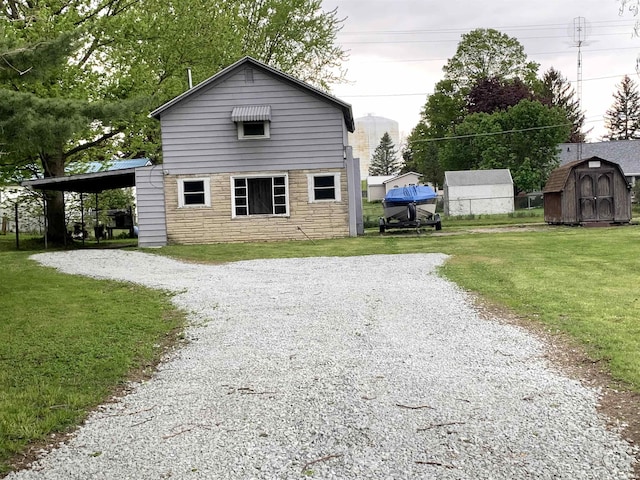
[625, 153]
[226, 72]
[403, 175]
[558, 178]
[99, 177]
[378, 179]
[462, 178]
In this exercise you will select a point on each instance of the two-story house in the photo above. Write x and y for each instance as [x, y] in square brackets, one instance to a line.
[251, 154]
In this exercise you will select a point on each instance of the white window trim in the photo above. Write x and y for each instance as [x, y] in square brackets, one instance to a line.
[336, 184]
[242, 136]
[207, 192]
[255, 215]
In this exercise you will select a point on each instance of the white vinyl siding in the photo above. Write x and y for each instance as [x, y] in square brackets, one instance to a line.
[324, 187]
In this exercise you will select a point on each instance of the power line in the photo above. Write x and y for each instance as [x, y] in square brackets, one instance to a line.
[491, 134]
[555, 26]
[424, 93]
[414, 41]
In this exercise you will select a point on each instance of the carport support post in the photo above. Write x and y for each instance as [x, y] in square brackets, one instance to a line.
[46, 233]
[82, 216]
[17, 228]
[97, 221]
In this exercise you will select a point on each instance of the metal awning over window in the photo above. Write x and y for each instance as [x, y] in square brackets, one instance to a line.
[251, 113]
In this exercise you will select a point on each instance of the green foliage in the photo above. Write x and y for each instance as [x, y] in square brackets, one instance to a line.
[491, 76]
[554, 89]
[622, 120]
[385, 158]
[78, 78]
[488, 53]
[524, 139]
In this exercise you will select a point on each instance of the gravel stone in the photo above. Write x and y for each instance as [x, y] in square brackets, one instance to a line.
[369, 367]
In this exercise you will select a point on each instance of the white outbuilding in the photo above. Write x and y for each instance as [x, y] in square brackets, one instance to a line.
[475, 192]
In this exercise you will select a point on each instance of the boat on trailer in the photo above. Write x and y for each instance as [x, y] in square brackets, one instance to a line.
[413, 206]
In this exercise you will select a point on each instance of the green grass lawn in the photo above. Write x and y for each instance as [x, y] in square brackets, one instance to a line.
[67, 343]
[70, 340]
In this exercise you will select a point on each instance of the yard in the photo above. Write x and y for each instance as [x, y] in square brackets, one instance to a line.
[574, 280]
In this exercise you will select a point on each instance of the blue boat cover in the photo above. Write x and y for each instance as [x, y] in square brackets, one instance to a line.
[410, 194]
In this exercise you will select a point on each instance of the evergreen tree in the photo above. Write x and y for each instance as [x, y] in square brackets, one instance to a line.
[623, 118]
[557, 91]
[385, 158]
[78, 77]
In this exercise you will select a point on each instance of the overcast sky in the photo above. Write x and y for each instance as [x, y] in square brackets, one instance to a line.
[397, 48]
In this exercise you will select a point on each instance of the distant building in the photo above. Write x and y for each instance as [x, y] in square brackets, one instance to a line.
[626, 153]
[475, 192]
[366, 137]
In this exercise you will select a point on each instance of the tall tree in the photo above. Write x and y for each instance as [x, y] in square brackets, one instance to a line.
[556, 90]
[622, 120]
[488, 53]
[385, 158]
[112, 52]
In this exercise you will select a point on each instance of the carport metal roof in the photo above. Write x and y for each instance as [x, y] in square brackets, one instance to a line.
[86, 182]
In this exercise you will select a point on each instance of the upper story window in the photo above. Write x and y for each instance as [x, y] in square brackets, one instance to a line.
[253, 130]
[252, 121]
[324, 187]
[194, 192]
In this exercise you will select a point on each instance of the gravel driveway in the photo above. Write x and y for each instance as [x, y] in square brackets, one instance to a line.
[347, 368]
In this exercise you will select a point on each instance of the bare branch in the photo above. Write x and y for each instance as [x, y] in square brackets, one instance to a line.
[86, 146]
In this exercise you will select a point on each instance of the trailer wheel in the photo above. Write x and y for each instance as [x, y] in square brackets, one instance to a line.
[381, 225]
[439, 225]
[411, 212]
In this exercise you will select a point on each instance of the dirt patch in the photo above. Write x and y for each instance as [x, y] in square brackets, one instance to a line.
[618, 404]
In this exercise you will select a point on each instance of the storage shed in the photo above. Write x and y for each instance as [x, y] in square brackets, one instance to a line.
[587, 191]
[475, 192]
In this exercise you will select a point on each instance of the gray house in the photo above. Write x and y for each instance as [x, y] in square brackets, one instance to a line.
[625, 153]
[251, 154]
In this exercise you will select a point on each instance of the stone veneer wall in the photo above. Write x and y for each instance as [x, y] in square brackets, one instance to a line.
[194, 225]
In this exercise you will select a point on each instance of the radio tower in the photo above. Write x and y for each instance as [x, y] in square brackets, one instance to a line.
[579, 37]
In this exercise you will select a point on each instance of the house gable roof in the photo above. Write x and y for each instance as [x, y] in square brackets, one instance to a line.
[626, 153]
[463, 178]
[231, 69]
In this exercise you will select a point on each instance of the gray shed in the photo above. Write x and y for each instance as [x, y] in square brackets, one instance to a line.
[474, 192]
[587, 191]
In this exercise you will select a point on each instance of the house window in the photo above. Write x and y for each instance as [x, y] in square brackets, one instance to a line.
[194, 192]
[248, 130]
[324, 187]
[252, 121]
[260, 196]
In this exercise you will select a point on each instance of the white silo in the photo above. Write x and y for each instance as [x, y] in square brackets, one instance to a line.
[369, 130]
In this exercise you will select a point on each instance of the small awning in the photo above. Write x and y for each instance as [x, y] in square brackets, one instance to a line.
[251, 113]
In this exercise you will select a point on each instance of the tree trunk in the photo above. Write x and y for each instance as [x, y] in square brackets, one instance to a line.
[56, 224]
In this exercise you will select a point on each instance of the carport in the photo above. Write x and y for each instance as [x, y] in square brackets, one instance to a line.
[95, 183]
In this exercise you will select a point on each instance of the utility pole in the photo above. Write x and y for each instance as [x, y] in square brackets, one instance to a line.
[579, 37]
